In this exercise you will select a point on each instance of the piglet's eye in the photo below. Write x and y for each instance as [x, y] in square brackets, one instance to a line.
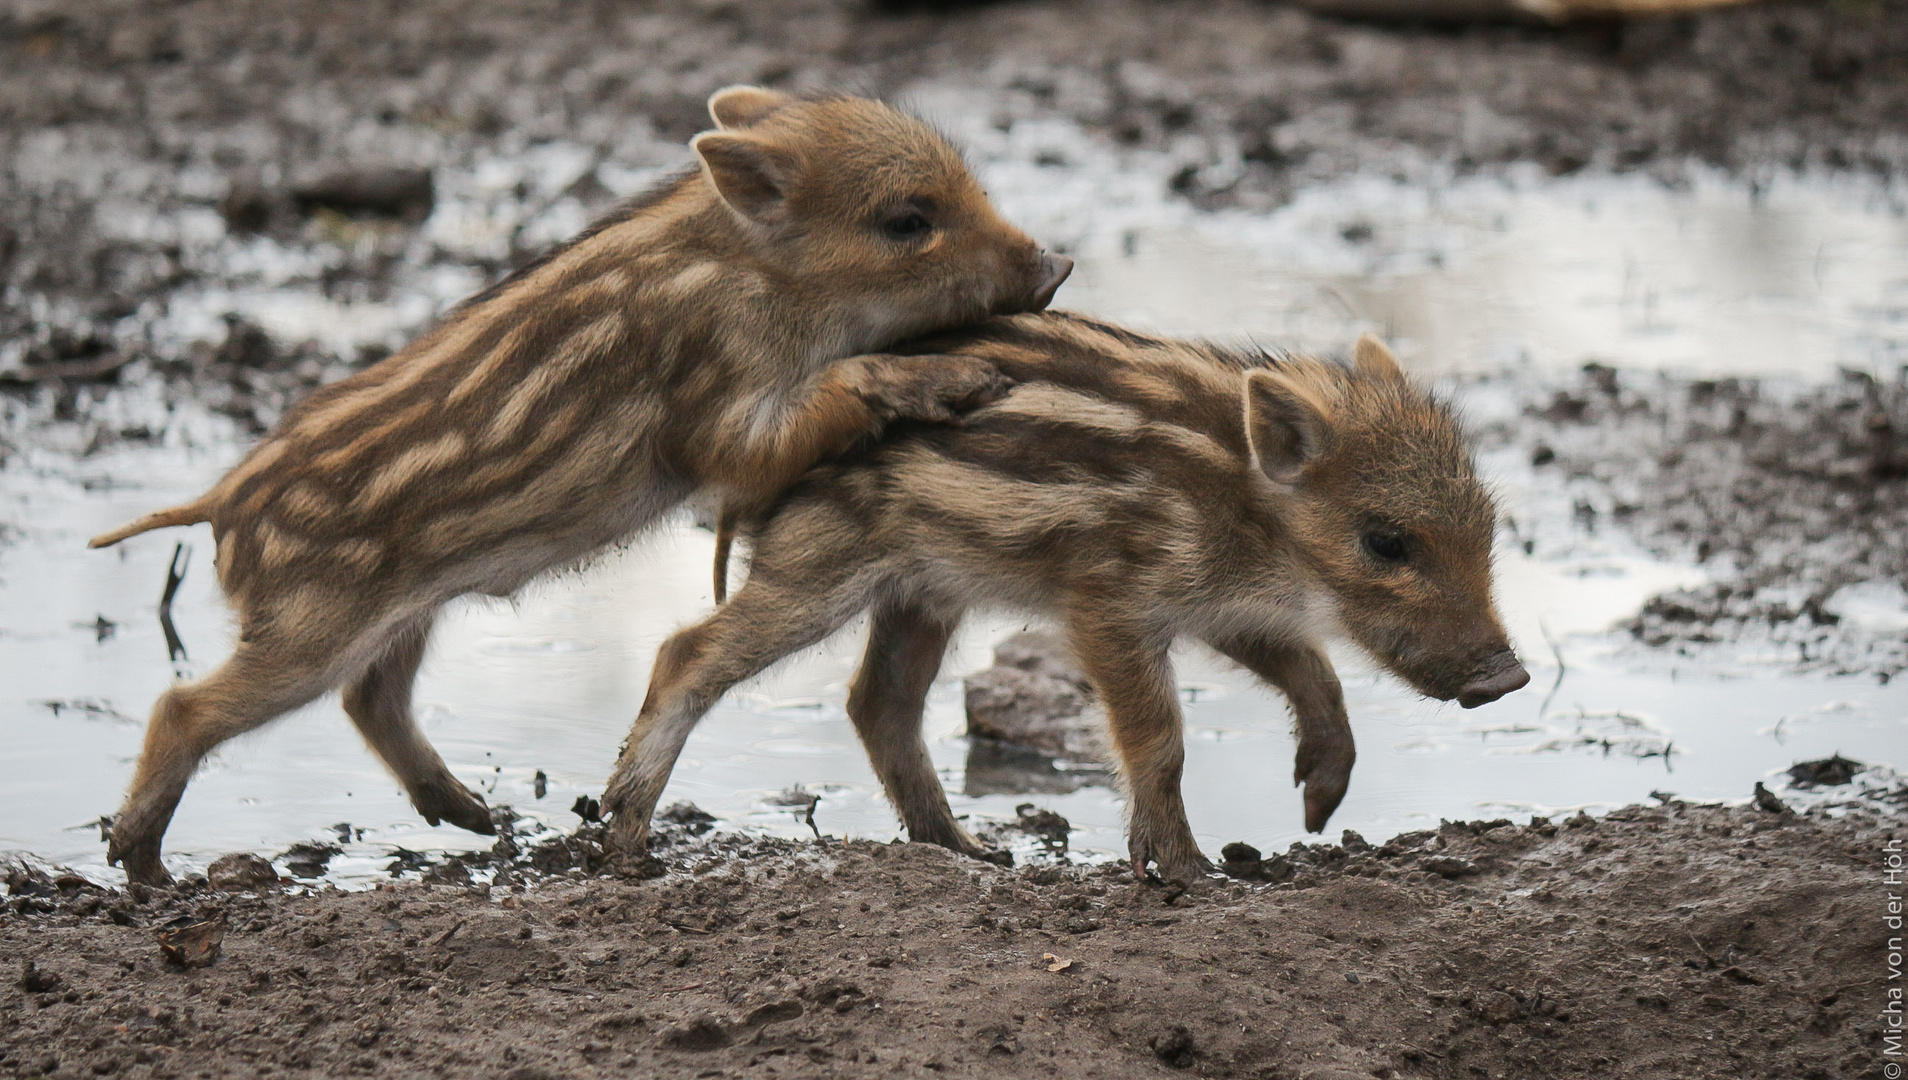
[1385, 546]
[909, 226]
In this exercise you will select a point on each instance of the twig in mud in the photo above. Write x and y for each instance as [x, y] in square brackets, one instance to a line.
[175, 573]
[809, 817]
[1699, 948]
[446, 935]
[681, 989]
[1544, 709]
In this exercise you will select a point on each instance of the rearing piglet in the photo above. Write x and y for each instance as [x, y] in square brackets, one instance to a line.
[1136, 490]
[694, 341]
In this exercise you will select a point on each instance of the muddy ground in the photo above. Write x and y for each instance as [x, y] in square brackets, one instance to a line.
[1787, 493]
[1658, 942]
[1672, 941]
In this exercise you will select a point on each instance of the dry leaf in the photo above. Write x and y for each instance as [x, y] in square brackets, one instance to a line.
[1055, 963]
[190, 942]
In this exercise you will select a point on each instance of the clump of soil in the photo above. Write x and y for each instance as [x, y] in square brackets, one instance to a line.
[1677, 940]
[1788, 494]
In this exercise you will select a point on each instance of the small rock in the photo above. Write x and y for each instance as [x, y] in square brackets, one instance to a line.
[1037, 697]
[241, 872]
[1240, 852]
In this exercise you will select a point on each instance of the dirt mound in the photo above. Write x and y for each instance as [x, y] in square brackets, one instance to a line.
[1668, 941]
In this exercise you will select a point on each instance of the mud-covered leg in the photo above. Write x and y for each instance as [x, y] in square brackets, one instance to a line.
[889, 695]
[1325, 749]
[261, 681]
[760, 625]
[1130, 669]
[379, 702]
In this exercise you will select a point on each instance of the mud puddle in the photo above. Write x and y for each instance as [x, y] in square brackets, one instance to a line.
[1512, 279]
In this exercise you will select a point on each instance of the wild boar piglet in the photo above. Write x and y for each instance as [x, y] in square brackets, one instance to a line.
[1135, 490]
[704, 338]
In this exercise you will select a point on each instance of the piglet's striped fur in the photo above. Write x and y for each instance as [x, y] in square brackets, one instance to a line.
[697, 341]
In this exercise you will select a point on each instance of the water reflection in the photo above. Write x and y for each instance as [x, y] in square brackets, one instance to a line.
[998, 768]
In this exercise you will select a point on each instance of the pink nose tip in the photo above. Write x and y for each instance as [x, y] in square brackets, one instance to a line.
[1053, 272]
[1500, 675]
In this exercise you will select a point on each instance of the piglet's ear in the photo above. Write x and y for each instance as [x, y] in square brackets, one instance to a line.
[744, 106]
[1286, 427]
[1371, 359]
[752, 176]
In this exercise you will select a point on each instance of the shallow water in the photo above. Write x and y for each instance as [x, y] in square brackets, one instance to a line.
[1479, 276]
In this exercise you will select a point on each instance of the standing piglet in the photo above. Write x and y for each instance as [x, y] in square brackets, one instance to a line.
[1135, 490]
[694, 341]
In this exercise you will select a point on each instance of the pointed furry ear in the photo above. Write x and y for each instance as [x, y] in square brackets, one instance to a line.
[1286, 428]
[744, 106]
[1371, 359]
[752, 176]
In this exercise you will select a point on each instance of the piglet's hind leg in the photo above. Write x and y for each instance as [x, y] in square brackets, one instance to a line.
[905, 646]
[262, 680]
[757, 627]
[379, 703]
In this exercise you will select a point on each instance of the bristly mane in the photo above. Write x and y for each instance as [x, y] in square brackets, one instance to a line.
[616, 215]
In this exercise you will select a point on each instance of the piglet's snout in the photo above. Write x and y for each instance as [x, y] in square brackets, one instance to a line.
[1498, 675]
[1053, 272]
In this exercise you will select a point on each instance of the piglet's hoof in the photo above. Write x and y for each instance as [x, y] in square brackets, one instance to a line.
[142, 864]
[460, 807]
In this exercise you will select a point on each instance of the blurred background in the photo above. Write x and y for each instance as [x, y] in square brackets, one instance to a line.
[1660, 262]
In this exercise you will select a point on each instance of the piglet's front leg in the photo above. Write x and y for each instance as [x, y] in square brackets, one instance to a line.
[853, 400]
[1129, 668]
[1325, 749]
[934, 387]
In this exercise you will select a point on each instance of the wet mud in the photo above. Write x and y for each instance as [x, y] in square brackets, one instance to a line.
[1675, 940]
[1791, 495]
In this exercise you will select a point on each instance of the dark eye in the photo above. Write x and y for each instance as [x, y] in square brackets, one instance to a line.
[1385, 545]
[909, 226]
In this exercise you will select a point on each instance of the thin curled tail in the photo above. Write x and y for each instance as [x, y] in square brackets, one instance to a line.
[725, 539]
[190, 514]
